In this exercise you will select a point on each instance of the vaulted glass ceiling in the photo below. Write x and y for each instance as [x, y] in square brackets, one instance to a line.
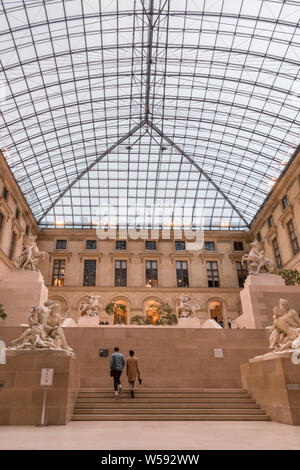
[182, 103]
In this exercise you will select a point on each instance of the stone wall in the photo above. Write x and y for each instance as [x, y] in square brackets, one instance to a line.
[21, 396]
[275, 384]
[168, 356]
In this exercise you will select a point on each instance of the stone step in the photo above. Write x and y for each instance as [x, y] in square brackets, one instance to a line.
[169, 411]
[125, 399]
[168, 390]
[171, 417]
[138, 405]
[164, 395]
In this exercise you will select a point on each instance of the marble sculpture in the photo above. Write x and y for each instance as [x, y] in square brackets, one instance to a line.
[44, 330]
[30, 256]
[257, 262]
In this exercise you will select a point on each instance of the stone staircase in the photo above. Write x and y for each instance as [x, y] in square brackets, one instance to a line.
[99, 404]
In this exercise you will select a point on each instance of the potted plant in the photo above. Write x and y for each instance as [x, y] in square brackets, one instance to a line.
[164, 313]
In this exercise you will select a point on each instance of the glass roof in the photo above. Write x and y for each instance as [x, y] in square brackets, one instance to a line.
[185, 104]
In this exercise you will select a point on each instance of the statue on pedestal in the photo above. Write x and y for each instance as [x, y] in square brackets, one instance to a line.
[44, 330]
[90, 307]
[285, 331]
[257, 262]
[30, 256]
[186, 307]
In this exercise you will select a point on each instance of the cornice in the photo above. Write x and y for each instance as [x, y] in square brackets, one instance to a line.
[271, 233]
[4, 207]
[181, 257]
[120, 256]
[287, 213]
[213, 256]
[16, 226]
[60, 255]
[87, 255]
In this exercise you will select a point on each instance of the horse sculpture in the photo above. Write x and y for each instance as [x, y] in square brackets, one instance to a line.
[186, 307]
[30, 256]
[91, 306]
[257, 262]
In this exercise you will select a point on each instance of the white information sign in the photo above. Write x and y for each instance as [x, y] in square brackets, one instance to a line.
[218, 353]
[47, 377]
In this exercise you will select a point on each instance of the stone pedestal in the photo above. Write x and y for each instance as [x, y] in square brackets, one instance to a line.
[188, 322]
[70, 322]
[274, 382]
[258, 298]
[88, 321]
[19, 291]
[21, 396]
[210, 324]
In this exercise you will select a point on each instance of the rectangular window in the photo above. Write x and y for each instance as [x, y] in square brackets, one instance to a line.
[17, 213]
[242, 272]
[120, 245]
[151, 274]
[91, 244]
[293, 236]
[212, 274]
[121, 273]
[285, 202]
[277, 253]
[150, 245]
[58, 275]
[180, 245]
[12, 246]
[89, 275]
[209, 246]
[238, 246]
[259, 237]
[182, 274]
[5, 193]
[270, 221]
[1, 220]
[61, 244]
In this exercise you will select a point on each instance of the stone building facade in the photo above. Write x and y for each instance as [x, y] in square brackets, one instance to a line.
[277, 225]
[16, 218]
[140, 272]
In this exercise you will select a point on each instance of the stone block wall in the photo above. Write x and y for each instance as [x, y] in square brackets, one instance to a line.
[21, 396]
[275, 385]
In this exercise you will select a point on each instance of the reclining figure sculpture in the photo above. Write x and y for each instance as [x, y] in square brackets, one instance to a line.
[44, 330]
[285, 331]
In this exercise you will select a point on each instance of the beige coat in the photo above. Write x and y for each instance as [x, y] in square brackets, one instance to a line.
[132, 368]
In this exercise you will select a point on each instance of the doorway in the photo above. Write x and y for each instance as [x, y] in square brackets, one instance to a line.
[216, 312]
[120, 312]
[152, 311]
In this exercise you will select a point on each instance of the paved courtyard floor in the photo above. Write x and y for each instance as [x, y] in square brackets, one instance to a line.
[159, 435]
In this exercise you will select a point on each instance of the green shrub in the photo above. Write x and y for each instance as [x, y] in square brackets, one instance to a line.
[138, 320]
[291, 276]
